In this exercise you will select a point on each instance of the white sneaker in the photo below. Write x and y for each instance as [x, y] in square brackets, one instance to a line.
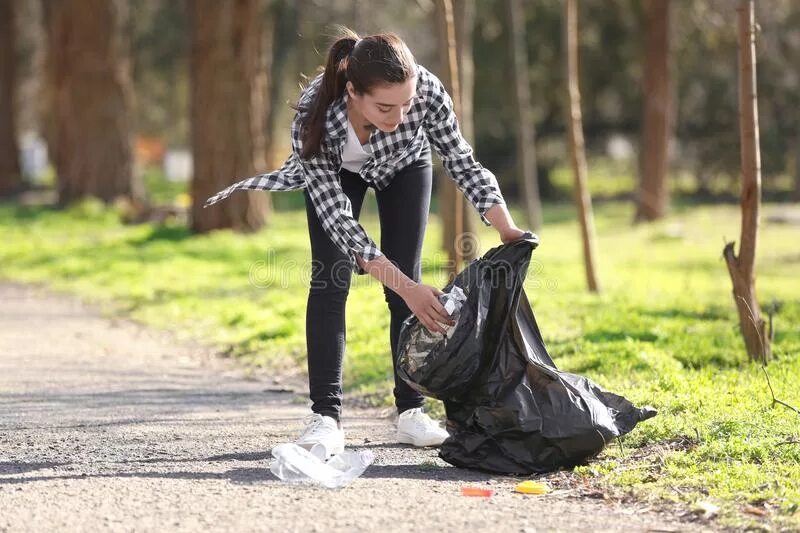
[417, 428]
[322, 430]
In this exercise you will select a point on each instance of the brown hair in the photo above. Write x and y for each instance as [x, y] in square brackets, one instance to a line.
[377, 59]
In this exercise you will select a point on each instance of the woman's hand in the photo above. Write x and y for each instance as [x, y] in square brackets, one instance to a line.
[423, 300]
[512, 233]
[501, 220]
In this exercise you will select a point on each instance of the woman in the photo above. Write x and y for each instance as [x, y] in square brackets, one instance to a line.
[369, 120]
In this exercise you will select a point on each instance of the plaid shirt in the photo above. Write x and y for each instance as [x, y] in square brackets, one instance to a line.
[430, 120]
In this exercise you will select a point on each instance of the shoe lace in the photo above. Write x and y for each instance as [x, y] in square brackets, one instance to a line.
[423, 421]
[314, 423]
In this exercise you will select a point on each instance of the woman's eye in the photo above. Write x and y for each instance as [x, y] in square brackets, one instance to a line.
[383, 110]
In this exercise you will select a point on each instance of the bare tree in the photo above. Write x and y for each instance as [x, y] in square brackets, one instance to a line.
[10, 179]
[526, 133]
[455, 20]
[90, 90]
[653, 194]
[576, 145]
[742, 267]
[228, 98]
[451, 202]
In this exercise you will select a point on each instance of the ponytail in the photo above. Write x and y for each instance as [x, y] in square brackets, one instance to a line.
[331, 88]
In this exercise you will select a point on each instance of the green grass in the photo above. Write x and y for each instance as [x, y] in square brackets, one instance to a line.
[664, 331]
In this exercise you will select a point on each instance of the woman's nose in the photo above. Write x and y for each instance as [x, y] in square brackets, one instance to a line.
[398, 117]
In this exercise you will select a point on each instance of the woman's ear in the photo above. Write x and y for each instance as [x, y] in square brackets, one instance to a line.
[351, 91]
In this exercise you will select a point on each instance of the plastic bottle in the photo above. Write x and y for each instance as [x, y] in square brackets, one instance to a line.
[296, 464]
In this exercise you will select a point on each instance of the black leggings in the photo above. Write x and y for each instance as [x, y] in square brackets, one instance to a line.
[403, 208]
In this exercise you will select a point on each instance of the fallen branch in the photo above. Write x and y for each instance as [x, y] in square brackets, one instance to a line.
[772, 392]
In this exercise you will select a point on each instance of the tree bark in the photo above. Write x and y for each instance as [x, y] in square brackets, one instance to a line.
[227, 109]
[459, 83]
[526, 133]
[10, 175]
[742, 267]
[653, 194]
[583, 200]
[90, 87]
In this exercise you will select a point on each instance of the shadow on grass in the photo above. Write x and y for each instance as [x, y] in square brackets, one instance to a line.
[603, 335]
[164, 233]
[711, 313]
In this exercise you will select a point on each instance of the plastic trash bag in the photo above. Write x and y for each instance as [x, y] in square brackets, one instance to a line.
[296, 464]
[509, 409]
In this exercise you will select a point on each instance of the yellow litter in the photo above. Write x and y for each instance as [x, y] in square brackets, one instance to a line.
[532, 487]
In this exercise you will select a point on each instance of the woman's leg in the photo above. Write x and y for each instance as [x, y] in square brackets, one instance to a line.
[325, 311]
[403, 207]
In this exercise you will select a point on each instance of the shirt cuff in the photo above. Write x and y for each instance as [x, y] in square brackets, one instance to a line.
[367, 254]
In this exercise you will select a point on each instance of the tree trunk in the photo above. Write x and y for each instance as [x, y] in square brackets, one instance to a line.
[576, 145]
[526, 133]
[458, 79]
[10, 178]
[89, 73]
[653, 194]
[742, 268]
[284, 45]
[227, 95]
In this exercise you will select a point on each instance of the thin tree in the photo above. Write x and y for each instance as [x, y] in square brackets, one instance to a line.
[10, 179]
[653, 195]
[464, 12]
[453, 220]
[525, 129]
[90, 99]
[583, 200]
[742, 267]
[228, 81]
[450, 198]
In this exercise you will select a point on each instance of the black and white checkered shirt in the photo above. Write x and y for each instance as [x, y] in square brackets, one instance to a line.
[430, 120]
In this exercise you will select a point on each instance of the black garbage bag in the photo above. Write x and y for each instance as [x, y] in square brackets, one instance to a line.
[509, 409]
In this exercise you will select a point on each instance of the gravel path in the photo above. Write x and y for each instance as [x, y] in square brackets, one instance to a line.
[105, 425]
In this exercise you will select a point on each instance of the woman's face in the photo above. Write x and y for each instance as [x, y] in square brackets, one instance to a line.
[385, 106]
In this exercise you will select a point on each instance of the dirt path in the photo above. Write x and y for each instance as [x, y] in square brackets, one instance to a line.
[105, 425]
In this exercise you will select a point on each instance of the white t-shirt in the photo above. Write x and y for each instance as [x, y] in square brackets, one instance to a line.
[354, 154]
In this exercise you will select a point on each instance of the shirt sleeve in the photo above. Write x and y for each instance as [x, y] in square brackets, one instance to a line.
[332, 205]
[478, 184]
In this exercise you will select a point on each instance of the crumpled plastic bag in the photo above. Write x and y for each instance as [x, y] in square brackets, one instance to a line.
[295, 464]
[423, 341]
[509, 408]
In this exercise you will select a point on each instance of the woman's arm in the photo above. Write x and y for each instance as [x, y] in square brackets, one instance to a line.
[422, 300]
[501, 220]
[477, 183]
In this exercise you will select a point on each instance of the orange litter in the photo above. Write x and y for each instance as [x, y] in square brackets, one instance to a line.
[476, 491]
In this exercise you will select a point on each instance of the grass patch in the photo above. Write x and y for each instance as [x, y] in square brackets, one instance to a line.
[663, 332]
